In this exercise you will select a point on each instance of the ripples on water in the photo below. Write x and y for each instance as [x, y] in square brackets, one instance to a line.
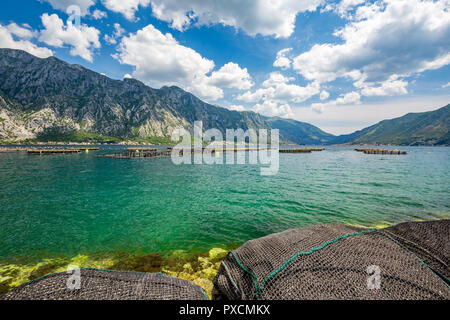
[71, 204]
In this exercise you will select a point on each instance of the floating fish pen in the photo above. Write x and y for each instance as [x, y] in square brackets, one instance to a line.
[141, 149]
[309, 150]
[141, 153]
[85, 149]
[6, 150]
[52, 151]
[381, 151]
[131, 153]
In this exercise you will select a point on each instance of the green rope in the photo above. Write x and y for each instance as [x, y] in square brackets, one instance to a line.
[231, 278]
[245, 269]
[415, 256]
[294, 257]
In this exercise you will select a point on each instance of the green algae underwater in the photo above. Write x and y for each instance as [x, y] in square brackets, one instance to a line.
[153, 216]
[198, 268]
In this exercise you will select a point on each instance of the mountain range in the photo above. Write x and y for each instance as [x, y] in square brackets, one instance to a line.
[51, 100]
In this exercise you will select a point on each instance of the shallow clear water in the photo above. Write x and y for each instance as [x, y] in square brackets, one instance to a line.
[72, 204]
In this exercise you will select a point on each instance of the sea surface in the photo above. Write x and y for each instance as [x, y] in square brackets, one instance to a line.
[67, 205]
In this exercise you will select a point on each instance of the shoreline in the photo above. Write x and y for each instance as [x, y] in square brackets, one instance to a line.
[198, 267]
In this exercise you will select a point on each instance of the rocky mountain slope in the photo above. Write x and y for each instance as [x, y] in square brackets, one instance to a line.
[300, 132]
[47, 98]
[51, 100]
[424, 128]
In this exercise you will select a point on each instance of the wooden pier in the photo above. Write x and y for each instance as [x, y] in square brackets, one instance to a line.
[379, 151]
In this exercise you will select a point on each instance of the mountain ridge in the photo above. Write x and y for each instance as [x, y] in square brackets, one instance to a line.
[50, 100]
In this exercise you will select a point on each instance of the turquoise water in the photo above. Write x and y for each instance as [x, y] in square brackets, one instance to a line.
[72, 204]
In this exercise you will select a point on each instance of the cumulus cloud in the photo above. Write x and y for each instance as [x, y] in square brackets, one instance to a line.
[342, 8]
[276, 78]
[98, 14]
[324, 95]
[82, 40]
[126, 7]
[386, 40]
[282, 61]
[276, 94]
[237, 107]
[278, 89]
[117, 33]
[446, 85]
[265, 17]
[64, 4]
[16, 37]
[390, 87]
[274, 109]
[160, 60]
[231, 76]
[21, 32]
[351, 98]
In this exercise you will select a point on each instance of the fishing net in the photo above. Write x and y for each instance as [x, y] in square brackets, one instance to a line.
[428, 240]
[335, 261]
[107, 285]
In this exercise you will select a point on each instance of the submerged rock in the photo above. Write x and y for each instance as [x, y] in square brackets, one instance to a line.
[149, 263]
[216, 254]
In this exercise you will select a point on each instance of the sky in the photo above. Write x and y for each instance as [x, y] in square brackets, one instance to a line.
[341, 65]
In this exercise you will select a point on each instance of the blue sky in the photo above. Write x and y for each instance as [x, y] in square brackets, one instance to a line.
[341, 65]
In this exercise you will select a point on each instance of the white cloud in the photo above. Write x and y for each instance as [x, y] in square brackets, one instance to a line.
[390, 87]
[275, 78]
[258, 95]
[64, 4]
[274, 109]
[98, 14]
[237, 107]
[7, 40]
[231, 76]
[21, 32]
[324, 95]
[274, 98]
[127, 76]
[446, 85]
[160, 60]
[282, 61]
[82, 40]
[126, 7]
[276, 88]
[118, 32]
[342, 8]
[265, 17]
[352, 98]
[387, 40]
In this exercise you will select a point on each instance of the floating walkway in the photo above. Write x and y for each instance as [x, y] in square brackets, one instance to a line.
[52, 151]
[308, 150]
[60, 151]
[380, 151]
[132, 153]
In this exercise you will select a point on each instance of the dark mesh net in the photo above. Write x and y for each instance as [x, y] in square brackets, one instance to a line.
[108, 285]
[331, 261]
[429, 240]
